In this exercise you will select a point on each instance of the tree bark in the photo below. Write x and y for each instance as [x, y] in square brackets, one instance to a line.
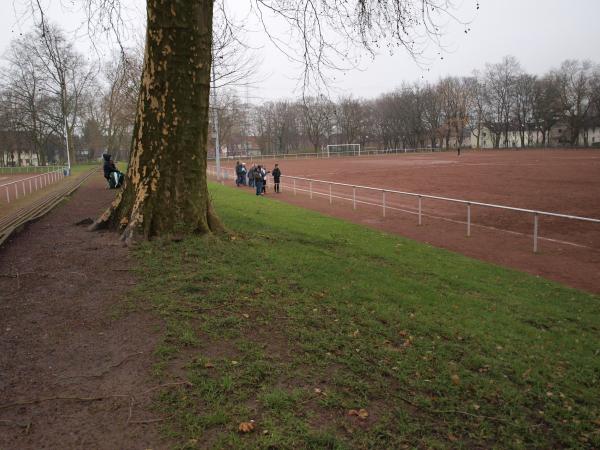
[165, 190]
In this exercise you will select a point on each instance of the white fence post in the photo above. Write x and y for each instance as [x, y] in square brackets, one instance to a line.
[16, 192]
[468, 220]
[7, 195]
[383, 203]
[535, 232]
[310, 188]
[420, 211]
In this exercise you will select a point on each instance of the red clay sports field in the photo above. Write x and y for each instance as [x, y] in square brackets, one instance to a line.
[558, 181]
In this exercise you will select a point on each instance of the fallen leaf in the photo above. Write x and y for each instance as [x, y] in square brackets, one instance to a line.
[355, 333]
[452, 438]
[234, 363]
[363, 414]
[455, 379]
[247, 316]
[246, 427]
[209, 365]
[317, 391]
[526, 373]
[360, 413]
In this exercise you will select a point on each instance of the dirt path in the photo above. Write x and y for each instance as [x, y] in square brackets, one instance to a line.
[61, 336]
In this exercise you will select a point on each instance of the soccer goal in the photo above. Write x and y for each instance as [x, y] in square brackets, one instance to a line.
[343, 150]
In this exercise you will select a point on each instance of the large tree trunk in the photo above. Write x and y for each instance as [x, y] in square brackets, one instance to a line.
[165, 190]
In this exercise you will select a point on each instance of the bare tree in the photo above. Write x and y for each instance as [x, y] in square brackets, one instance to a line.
[318, 115]
[122, 75]
[574, 83]
[67, 76]
[432, 113]
[546, 106]
[523, 104]
[23, 78]
[348, 119]
[499, 93]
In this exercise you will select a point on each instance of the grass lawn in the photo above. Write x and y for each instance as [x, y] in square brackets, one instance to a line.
[296, 319]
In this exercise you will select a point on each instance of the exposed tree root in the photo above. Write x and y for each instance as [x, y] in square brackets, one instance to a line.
[91, 399]
[107, 369]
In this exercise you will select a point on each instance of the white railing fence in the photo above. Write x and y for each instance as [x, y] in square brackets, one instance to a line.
[380, 198]
[20, 188]
[332, 154]
[16, 170]
[376, 152]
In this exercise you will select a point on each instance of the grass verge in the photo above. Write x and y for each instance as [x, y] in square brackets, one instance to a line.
[296, 319]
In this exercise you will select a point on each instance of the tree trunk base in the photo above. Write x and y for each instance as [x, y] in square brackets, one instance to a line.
[132, 233]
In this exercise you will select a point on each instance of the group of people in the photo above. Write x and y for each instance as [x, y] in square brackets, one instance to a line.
[256, 177]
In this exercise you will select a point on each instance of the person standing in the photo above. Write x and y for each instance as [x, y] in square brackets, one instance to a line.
[238, 173]
[251, 176]
[258, 180]
[244, 173]
[264, 173]
[276, 176]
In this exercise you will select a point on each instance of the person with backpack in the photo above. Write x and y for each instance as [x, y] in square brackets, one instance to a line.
[258, 180]
[113, 176]
[276, 176]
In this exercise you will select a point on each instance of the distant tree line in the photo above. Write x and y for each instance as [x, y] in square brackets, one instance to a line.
[51, 94]
[503, 101]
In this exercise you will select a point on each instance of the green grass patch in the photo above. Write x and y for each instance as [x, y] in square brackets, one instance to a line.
[296, 318]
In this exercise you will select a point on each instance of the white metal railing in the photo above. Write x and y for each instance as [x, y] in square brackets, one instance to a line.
[362, 152]
[29, 185]
[375, 152]
[16, 170]
[226, 173]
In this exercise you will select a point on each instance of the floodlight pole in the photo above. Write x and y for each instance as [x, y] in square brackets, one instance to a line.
[216, 123]
[67, 141]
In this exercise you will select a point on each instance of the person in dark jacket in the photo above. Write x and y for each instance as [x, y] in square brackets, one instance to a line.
[113, 176]
[238, 174]
[251, 176]
[258, 180]
[276, 176]
[108, 166]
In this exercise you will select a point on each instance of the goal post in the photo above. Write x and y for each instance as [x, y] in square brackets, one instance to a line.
[343, 150]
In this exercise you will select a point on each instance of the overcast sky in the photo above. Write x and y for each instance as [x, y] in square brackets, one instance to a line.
[540, 33]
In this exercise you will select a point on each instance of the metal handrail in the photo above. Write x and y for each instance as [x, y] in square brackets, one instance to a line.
[30, 178]
[384, 205]
[450, 199]
[44, 179]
